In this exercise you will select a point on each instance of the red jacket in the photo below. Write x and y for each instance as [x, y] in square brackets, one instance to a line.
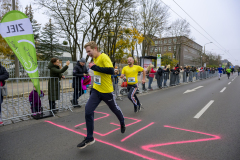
[152, 73]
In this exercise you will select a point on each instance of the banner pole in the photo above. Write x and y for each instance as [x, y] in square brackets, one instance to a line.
[16, 62]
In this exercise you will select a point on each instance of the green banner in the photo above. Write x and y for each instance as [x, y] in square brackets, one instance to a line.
[16, 29]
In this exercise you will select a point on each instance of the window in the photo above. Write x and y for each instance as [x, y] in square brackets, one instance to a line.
[160, 42]
[165, 41]
[169, 48]
[156, 42]
[175, 48]
[175, 40]
[165, 49]
[170, 41]
[151, 49]
[156, 49]
[160, 49]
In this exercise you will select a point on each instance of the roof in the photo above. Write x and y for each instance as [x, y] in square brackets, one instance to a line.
[150, 57]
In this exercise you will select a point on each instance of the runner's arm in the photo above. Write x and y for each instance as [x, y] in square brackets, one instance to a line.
[106, 70]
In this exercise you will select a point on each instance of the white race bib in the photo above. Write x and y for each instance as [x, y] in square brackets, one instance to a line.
[131, 79]
[97, 80]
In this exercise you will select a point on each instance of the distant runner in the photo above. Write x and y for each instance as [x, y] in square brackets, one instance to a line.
[228, 70]
[220, 69]
[131, 73]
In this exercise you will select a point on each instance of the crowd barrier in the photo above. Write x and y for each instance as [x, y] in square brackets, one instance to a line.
[16, 106]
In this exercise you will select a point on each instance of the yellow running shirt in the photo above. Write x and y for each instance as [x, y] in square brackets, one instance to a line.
[102, 81]
[131, 73]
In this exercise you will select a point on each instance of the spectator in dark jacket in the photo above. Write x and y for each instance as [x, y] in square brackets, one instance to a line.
[3, 76]
[159, 77]
[166, 75]
[53, 83]
[79, 71]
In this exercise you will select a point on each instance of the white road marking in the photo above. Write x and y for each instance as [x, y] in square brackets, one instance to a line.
[199, 114]
[223, 89]
[229, 83]
[232, 79]
[192, 90]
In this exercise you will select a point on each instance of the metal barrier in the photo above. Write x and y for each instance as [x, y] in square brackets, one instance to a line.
[42, 68]
[16, 105]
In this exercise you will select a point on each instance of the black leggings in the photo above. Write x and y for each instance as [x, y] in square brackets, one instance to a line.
[132, 94]
[52, 105]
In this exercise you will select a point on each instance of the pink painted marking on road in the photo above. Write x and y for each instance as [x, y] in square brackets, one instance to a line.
[101, 134]
[136, 132]
[147, 147]
[106, 115]
[104, 142]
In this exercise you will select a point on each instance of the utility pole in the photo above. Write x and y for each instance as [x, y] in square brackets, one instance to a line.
[204, 52]
[15, 57]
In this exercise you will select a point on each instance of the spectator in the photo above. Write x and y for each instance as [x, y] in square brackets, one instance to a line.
[3, 76]
[151, 76]
[53, 83]
[173, 77]
[159, 77]
[115, 78]
[35, 102]
[79, 71]
[166, 75]
[143, 84]
[177, 71]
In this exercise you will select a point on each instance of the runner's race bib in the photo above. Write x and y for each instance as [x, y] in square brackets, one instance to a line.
[97, 80]
[131, 79]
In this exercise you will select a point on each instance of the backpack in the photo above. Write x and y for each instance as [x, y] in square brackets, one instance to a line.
[87, 80]
[160, 71]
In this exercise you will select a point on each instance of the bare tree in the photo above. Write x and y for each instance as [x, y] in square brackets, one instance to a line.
[153, 17]
[180, 30]
[67, 15]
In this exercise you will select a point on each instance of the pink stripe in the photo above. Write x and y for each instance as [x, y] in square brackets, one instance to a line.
[94, 119]
[148, 147]
[104, 142]
[136, 132]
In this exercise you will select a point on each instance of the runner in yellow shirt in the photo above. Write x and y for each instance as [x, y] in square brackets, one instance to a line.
[102, 91]
[131, 73]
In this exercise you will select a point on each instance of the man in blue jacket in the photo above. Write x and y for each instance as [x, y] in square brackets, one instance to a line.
[79, 71]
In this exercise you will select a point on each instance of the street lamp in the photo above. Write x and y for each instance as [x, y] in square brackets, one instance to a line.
[204, 51]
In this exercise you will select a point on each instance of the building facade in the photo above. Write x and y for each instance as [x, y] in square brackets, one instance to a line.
[185, 50]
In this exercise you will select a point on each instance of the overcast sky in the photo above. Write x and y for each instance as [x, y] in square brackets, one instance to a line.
[219, 18]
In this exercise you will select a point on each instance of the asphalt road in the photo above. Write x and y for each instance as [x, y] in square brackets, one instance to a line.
[196, 121]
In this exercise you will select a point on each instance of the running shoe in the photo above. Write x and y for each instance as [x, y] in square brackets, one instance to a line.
[85, 143]
[140, 107]
[123, 128]
[135, 109]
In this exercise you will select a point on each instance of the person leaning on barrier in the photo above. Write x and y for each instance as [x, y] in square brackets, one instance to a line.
[151, 72]
[79, 71]
[166, 75]
[54, 81]
[3, 76]
[159, 77]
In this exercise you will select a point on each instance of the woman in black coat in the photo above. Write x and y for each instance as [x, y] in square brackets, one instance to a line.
[53, 83]
[3, 76]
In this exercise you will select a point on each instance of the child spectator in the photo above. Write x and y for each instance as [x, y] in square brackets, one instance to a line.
[35, 102]
[115, 82]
